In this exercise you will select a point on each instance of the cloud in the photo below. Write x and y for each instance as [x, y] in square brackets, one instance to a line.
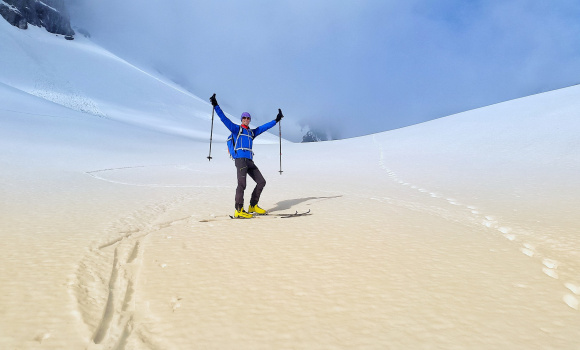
[348, 69]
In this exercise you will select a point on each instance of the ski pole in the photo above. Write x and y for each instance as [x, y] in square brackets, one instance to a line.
[280, 135]
[211, 134]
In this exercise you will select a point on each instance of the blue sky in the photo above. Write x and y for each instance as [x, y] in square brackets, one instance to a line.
[346, 68]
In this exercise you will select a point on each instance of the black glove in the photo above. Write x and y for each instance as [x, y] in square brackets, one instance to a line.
[279, 116]
[213, 100]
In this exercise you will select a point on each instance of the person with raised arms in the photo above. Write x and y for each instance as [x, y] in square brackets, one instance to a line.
[240, 146]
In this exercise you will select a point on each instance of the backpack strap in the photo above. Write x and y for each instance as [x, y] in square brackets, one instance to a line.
[250, 135]
[236, 140]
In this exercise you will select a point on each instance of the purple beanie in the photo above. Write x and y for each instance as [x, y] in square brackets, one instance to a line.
[246, 114]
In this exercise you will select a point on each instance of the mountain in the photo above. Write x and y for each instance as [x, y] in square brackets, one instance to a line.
[311, 136]
[49, 14]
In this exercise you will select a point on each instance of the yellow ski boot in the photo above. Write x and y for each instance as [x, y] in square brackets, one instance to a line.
[242, 214]
[256, 209]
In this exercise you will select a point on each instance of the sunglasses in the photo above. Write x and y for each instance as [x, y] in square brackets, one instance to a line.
[246, 118]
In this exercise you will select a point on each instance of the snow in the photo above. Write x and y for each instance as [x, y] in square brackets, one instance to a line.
[12, 7]
[457, 233]
[46, 5]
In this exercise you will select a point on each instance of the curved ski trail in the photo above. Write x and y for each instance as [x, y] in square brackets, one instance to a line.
[549, 266]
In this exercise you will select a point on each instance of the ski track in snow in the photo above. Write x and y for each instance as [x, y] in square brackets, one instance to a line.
[105, 284]
[549, 266]
[94, 174]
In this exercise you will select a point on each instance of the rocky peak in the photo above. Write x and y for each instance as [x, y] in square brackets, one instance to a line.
[311, 136]
[49, 14]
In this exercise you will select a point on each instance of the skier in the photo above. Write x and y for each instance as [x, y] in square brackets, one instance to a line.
[243, 139]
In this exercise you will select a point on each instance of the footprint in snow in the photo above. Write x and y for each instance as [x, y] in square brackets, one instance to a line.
[175, 303]
[528, 250]
[550, 266]
[489, 224]
[573, 288]
[571, 301]
[507, 233]
[550, 272]
[504, 230]
[550, 263]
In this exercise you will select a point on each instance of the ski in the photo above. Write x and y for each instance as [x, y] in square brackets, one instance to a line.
[281, 215]
[290, 215]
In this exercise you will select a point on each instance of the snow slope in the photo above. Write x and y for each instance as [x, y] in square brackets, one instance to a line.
[456, 233]
[86, 78]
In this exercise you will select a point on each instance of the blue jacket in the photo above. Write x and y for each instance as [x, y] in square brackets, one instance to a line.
[245, 141]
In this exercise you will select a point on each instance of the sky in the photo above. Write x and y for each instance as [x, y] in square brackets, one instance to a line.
[345, 69]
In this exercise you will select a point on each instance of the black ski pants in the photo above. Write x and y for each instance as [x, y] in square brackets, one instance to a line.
[245, 167]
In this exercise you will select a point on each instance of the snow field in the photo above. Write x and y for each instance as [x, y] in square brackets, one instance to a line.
[549, 267]
[457, 233]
